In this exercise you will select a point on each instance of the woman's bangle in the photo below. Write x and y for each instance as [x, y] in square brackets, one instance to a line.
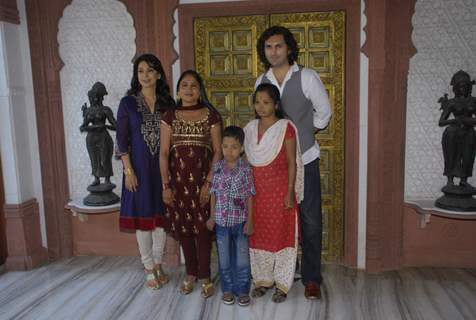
[165, 186]
[128, 171]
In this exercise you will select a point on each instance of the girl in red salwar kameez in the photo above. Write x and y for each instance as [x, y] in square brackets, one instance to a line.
[272, 149]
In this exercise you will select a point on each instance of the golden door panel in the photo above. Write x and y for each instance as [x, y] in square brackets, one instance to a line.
[226, 57]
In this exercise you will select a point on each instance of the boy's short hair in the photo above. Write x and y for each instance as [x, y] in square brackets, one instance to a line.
[234, 132]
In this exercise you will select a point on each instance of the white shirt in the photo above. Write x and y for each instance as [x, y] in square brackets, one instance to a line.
[313, 89]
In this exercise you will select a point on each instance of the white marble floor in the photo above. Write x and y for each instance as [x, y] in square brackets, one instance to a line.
[113, 288]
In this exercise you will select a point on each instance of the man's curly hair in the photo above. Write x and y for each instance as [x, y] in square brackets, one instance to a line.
[288, 38]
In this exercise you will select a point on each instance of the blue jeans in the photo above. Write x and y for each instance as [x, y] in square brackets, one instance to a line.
[233, 259]
[311, 224]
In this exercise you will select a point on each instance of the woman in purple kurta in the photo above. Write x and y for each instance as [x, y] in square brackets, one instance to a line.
[138, 141]
[144, 208]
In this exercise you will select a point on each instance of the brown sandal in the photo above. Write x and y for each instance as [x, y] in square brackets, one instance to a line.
[187, 286]
[162, 277]
[207, 289]
[259, 291]
[279, 296]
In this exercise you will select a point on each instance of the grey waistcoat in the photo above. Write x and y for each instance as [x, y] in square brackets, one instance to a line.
[298, 108]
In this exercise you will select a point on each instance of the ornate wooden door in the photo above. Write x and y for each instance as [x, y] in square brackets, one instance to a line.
[226, 57]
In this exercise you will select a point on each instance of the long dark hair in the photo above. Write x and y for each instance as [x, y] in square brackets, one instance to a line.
[203, 93]
[273, 93]
[288, 38]
[162, 89]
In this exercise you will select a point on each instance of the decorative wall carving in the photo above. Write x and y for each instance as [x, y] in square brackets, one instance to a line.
[96, 43]
[445, 37]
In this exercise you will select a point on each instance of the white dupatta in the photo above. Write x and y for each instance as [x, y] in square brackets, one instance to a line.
[263, 153]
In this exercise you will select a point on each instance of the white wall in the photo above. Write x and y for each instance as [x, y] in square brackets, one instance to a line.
[96, 43]
[444, 34]
[363, 139]
[18, 138]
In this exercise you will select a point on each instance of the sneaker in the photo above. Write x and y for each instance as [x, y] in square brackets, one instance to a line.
[244, 300]
[228, 298]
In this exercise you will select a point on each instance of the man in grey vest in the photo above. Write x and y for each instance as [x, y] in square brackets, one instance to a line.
[305, 101]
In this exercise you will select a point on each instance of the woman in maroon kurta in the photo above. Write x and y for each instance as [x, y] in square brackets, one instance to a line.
[190, 144]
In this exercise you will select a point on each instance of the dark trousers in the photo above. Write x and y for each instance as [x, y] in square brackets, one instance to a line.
[197, 250]
[310, 213]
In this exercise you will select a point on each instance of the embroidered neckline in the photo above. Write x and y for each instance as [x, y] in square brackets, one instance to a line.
[150, 127]
[205, 118]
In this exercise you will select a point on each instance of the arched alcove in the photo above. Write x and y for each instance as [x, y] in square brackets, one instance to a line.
[96, 43]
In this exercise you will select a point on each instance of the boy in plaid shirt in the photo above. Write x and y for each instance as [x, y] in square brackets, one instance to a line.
[231, 209]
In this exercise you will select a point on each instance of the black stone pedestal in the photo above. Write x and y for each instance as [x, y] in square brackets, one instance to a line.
[101, 195]
[457, 198]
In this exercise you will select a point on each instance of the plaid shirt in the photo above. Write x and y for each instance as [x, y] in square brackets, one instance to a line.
[232, 188]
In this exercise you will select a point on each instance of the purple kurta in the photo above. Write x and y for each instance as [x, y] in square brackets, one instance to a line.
[138, 132]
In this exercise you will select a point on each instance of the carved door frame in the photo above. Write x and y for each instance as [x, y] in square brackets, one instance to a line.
[188, 12]
[3, 236]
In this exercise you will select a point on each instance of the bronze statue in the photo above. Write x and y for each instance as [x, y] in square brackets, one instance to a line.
[100, 146]
[98, 141]
[459, 142]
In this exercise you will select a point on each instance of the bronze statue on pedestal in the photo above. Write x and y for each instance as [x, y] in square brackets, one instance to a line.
[100, 146]
[459, 144]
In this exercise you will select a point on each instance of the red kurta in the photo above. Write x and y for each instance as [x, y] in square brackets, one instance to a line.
[274, 226]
